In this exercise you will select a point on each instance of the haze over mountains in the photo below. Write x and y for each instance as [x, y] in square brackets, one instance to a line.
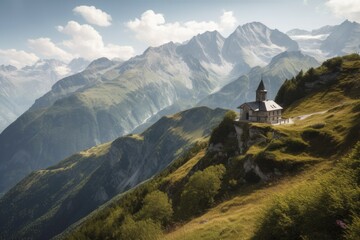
[275, 157]
[109, 99]
[328, 41]
[83, 144]
[283, 66]
[110, 169]
[20, 87]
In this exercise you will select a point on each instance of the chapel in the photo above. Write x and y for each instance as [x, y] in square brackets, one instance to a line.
[262, 110]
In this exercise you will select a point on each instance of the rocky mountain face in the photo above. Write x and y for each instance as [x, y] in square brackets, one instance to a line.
[257, 44]
[344, 39]
[20, 87]
[328, 41]
[71, 84]
[79, 184]
[283, 66]
[110, 99]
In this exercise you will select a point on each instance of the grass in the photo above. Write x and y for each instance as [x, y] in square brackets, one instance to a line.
[292, 156]
[97, 151]
[254, 149]
[182, 171]
[236, 218]
[338, 123]
[136, 137]
[316, 102]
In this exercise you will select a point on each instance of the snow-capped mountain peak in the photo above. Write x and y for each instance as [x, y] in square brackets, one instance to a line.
[257, 44]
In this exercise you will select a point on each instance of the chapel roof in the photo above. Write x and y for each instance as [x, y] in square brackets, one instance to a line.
[268, 105]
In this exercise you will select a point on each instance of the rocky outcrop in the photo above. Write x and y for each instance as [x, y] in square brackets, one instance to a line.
[245, 136]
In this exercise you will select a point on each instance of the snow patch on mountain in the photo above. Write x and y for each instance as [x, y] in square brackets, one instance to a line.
[328, 41]
[20, 87]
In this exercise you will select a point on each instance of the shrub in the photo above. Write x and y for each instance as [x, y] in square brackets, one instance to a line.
[140, 230]
[199, 192]
[157, 207]
[311, 212]
[230, 115]
[325, 208]
[320, 140]
[333, 63]
[292, 89]
[353, 230]
[226, 126]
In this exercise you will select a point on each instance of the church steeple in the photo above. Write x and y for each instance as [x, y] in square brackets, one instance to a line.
[261, 92]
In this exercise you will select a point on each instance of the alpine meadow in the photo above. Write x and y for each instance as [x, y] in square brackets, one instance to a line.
[180, 120]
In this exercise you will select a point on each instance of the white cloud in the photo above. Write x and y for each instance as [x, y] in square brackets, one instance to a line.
[153, 29]
[45, 48]
[349, 9]
[227, 21]
[94, 15]
[86, 42]
[17, 58]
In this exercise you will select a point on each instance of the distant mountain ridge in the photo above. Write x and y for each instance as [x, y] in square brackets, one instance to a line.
[283, 66]
[101, 104]
[328, 41]
[20, 87]
[241, 41]
[343, 39]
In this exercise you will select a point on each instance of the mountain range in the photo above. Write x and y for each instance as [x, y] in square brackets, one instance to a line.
[84, 160]
[276, 181]
[213, 51]
[110, 99]
[261, 169]
[328, 41]
[283, 66]
[20, 87]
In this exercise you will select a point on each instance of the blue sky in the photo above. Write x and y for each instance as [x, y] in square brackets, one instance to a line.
[34, 29]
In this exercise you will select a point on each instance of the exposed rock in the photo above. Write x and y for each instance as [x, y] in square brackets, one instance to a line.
[251, 166]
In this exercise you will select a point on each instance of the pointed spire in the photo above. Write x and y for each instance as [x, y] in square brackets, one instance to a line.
[261, 85]
[261, 92]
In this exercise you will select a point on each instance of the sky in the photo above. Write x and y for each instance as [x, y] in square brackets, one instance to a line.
[31, 30]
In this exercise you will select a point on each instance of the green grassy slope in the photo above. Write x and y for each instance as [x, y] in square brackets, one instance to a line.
[287, 173]
[47, 201]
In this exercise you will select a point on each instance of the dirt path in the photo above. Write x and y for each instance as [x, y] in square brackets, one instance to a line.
[302, 117]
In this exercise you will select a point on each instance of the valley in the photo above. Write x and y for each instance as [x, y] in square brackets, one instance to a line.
[111, 99]
[276, 161]
[180, 120]
[292, 158]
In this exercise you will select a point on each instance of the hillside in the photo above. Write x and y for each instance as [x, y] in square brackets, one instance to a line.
[40, 203]
[111, 99]
[245, 182]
